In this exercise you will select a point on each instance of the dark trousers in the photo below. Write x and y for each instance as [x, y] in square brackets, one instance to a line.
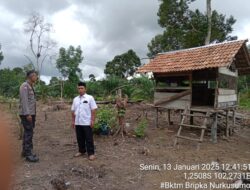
[28, 134]
[85, 140]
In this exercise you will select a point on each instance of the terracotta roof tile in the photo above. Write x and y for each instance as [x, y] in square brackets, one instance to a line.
[210, 56]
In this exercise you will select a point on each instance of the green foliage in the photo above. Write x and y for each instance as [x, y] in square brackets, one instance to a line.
[111, 83]
[221, 27]
[28, 67]
[143, 88]
[96, 89]
[10, 81]
[68, 63]
[123, 65]
[140, 88]
[105, 116]
[70, 89]
[185, 28]
[245, 100]
[243, 83]
[54, 87]
[42, 90]
[92, 78]
[1, 55]
[140, 129]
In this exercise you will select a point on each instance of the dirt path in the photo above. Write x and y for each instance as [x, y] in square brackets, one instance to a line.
[118, 162]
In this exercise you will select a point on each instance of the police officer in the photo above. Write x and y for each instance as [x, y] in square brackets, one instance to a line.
[28, 114]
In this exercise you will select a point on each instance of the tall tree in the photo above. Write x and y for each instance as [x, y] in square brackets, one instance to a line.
[68, 64]
[123, 65]
[209, 22]
[39, 40]
[185, 28]
[1, 55]
[92, 78]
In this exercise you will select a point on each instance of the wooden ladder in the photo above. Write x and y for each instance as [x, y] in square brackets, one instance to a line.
[186, 113]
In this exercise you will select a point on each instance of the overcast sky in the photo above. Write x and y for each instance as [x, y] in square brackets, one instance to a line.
[103, 28]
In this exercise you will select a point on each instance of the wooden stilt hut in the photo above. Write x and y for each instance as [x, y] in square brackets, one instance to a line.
[200, 80]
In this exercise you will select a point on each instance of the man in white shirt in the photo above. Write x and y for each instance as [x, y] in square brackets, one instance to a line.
[83, 119]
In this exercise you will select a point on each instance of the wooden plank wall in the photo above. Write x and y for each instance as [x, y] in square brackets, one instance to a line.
[227, 97]
[181, 103]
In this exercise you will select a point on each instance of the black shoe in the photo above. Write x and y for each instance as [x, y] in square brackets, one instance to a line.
[32, 158]
[35, 156]
[23, 154]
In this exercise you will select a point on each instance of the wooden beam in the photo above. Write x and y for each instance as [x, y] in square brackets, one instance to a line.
[227, 98]
[169, 117]
[234, 120]
[172, 98]
[191, 86]
[191, 119]
[214, 128]
[172, 74]
[225, 91]
[187, 138]
[216, 90]
[227, 124]
[156, 118]
[226, 71]
[180, 128]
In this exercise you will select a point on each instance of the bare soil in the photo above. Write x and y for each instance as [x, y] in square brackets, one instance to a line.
[117, 166]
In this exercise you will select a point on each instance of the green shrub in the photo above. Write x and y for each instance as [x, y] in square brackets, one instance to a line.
[105, 119]
[143, 88]
[245, 100]
[140, 129]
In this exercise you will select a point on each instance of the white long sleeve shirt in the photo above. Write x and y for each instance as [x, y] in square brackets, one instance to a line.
[82, 107]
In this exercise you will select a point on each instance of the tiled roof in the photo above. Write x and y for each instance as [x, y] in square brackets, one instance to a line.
[209, 56]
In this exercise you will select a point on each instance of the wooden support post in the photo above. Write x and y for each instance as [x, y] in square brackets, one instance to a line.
[180, 113]
[156, 117]
[227, 124]
[178, 134]
[214, 128]
[169, 118]
[191, 120]
[45, 116]
[191, 88]
[234, 120]
[180, 128]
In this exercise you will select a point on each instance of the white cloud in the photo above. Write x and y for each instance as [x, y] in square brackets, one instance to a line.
[45, 78]
[244, 32]
[102, 28]
[88, 69]
[68, 30]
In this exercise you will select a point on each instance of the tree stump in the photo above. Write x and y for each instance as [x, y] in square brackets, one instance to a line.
[121, 104]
